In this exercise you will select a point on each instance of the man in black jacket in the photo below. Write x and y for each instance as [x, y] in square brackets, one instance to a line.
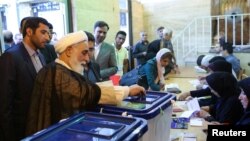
[92, 69]
[19, 66]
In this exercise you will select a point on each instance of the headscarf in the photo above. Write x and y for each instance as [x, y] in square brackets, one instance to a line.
[205, 60]
[245, 85]
[225, 84]
[216, 58]
[199, 59]
[160, 69]
[220, 65]
[70, 39]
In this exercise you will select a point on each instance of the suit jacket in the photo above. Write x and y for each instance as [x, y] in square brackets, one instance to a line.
[107, 61]
[17, 74]
[49, 53]
[93, 72]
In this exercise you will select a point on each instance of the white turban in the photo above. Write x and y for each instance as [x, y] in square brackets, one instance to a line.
[70, 39]
[206, 59]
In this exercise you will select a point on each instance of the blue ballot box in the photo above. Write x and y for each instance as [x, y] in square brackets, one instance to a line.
[93, 127]
[155, 107]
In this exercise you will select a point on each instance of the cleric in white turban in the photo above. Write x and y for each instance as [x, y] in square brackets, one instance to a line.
[69, 40]
[60, 90]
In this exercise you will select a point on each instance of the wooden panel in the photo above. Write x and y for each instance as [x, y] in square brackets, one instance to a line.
[237, 31]
[227, 7]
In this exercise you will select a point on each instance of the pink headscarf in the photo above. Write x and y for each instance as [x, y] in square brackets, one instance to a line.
[160, 69]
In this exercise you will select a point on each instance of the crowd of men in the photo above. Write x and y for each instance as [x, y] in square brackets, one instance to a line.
[42, 82]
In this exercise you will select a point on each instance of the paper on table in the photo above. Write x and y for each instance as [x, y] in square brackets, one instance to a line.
[196, 122]
[188, 137]
[179, 106]
[195, 82]
[171, 85]
[187, 114]
[193, 105]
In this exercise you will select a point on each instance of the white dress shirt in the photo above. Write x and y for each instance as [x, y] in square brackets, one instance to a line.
[97, 49]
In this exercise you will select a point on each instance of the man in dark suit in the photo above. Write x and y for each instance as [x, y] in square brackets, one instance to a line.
[49, 51]
[104, 52]
[18, 69]
[92, 69]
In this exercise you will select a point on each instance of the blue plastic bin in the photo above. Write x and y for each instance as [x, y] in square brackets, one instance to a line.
[93, 127]
[155, 107]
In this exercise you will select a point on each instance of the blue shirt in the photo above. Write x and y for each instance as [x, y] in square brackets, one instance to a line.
[235, 63]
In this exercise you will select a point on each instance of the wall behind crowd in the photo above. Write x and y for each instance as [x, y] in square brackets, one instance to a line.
[174, 14]
[138, 23]
[146, 15]
[88, 12]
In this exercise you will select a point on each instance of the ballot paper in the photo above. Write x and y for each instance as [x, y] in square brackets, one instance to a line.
[172, 88]
[171, 85]
[187, 114]
[193, 107]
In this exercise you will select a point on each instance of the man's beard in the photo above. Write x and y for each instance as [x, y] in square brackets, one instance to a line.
[77, 66]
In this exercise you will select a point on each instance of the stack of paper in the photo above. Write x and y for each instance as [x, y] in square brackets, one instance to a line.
[193, 107]
[196, 122]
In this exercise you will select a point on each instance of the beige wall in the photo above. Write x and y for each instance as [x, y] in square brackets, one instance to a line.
[137, 20]
[147, 15]
[90, 11]
[175, 14]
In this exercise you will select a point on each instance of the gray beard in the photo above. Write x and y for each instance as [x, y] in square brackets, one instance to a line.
[76, 66]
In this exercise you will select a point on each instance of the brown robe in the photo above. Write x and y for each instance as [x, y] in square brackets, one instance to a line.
[50, 102]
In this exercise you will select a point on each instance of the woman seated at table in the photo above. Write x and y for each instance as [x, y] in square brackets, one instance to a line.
[217, 66]
[227, 109]
[245, 101]
[154, 70]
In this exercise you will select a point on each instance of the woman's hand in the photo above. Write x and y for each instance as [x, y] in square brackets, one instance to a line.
[205, 108]
[183, 96]
[162, 86]
[203, 114]
[214, 123]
